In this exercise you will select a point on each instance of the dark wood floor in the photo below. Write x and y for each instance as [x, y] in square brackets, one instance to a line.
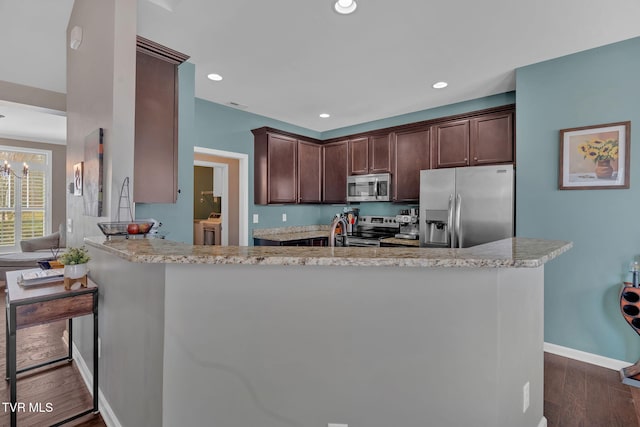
[60, 386]
[581, 394]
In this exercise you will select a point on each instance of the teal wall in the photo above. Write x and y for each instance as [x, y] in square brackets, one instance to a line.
[581, 287]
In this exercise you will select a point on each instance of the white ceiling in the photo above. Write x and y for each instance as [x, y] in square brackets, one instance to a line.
[294, 59]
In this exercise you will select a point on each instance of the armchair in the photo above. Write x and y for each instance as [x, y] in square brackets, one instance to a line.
[33, 250]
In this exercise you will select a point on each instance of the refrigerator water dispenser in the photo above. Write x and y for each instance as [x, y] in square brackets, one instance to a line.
[437, 230]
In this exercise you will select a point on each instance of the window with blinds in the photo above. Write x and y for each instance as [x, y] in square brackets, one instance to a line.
[24, 200]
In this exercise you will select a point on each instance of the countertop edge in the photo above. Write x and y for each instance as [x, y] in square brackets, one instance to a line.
[507, 253]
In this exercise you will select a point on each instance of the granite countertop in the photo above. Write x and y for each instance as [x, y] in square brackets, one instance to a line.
[514, 252]
[403, 242]
[285, 234]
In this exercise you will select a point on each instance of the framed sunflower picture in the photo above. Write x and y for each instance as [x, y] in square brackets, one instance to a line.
[595, 157]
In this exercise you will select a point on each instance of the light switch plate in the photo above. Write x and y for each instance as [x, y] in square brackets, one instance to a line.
[255, 218]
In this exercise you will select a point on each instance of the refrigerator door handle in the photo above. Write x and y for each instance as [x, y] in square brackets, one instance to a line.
[457, 224]
[450, 231]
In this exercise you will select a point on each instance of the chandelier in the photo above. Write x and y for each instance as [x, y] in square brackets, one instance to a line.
[6, 171]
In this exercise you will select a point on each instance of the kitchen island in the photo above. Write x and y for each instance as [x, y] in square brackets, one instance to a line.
[307, 336]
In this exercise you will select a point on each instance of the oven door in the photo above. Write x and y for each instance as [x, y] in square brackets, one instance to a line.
[362, 242]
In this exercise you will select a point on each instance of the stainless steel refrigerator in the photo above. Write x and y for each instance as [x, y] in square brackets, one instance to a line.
[464, 207]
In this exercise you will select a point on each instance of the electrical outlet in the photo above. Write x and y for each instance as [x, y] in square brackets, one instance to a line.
[525, 397]
[255, 218]
[284, 217]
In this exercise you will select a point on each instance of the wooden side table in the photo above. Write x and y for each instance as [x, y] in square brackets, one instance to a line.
[36, 305]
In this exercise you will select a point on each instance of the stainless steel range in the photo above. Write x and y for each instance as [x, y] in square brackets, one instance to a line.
[369, 230]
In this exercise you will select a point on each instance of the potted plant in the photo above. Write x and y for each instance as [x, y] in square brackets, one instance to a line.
[75, 262]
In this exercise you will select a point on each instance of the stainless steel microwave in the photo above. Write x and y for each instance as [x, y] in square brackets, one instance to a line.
[369, 188]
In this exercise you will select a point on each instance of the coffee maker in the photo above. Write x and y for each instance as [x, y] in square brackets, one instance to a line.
[409, 224]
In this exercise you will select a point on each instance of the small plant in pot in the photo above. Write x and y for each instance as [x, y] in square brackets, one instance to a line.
[75, 265]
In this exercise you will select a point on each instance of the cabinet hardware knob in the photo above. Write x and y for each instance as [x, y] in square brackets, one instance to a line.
[475, 158]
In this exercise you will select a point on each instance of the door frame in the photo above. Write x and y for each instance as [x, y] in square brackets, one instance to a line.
[243, 184]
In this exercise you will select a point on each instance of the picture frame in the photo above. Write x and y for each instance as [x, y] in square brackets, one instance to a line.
[92, 168]
[77, 178]
[595, 157]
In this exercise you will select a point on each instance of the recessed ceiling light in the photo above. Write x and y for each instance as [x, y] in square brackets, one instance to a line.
[345, 7]
[214, 77]
[440, 85]
[325, 115]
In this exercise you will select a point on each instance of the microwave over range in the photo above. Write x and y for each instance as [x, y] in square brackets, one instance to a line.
[369, 188]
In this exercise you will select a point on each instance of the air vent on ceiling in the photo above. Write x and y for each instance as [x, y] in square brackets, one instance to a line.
[236, 105]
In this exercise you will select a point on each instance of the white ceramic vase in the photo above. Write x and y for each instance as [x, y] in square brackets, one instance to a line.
[75, 271]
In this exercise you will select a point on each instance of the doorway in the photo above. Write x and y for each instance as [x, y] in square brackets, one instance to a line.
[211, 199]
[231, 171]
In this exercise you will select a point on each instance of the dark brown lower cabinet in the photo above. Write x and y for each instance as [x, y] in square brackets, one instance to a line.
[316, 241]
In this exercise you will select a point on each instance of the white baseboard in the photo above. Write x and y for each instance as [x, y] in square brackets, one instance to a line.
[106, 412]
[543, 422]
[583, 356]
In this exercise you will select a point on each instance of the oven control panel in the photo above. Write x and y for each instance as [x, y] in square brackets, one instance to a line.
[379, 221]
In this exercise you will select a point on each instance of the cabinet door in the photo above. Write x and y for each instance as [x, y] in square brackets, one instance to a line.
[359, 156]
[411, 154]
[380, 154]
[492, 139]
[309, 172]
[336, 165]
[282, 169]
[451, 144]
[156, 131]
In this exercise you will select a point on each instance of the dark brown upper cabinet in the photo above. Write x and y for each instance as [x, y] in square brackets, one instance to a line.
[336, 167]
[492, 139]
[482, 140]
[275, 169]
[155, 168]
[411, 155]
[450, 144]
[290, 168]
[309, 172]
[370, 154]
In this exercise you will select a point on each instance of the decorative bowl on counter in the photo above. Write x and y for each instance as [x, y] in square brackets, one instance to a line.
[132, 228]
